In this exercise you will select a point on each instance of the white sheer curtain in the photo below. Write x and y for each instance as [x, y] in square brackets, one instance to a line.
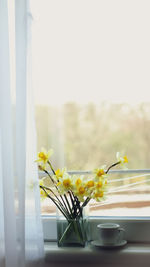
[21, 239]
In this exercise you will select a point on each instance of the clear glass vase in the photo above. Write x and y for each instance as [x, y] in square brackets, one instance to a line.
[72, 232]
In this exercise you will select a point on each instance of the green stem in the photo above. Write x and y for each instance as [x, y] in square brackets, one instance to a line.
[79, 207]
[51, 167]
[68, 205]
[65, 215]
[73, 202]
[60, 203]
[113, 165]
[50, 176]
[64, 203]
[69, 229]
[56, 187]
[86, 202]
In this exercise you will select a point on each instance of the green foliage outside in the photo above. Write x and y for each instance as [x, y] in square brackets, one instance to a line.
[90, 135]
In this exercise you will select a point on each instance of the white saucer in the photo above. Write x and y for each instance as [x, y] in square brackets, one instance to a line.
[98, 243]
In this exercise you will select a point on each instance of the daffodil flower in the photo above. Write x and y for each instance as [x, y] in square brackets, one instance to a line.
[78, 182]
[90, 184]
[60, 172]
[42, 192]
[80, 193]
[65, 184]
[121, 160]
[99, 195]
[41, 182]
[100, 171]
[43, 157]
[99, 185]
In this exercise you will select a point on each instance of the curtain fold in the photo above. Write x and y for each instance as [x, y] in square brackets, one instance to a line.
[21, 237]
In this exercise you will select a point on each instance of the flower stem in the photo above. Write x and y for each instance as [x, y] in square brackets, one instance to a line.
[60, 203]
[113, 165]
[64, 203]
[86, 202]
[51, 167]
[68, 205]
[49, 176]
[55, 202]
[73, 226]
[73, 202]
[58, 190]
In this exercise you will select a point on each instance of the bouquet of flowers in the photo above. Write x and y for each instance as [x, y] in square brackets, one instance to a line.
[71, 193]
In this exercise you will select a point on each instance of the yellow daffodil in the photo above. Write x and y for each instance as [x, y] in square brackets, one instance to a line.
[120, 159]
[41, 182]
[90, 184]
[79, 187]
[100, 189]
[60, 172]
[78, 182]
[102, 183]
[65, 183]
[81, 190]
[105, 182]
[125, 159]
[43, 157]
[99, 184]
[80, 193]
[42, 192]
[100, 171]
[98, 195]
[58, 184]
[89, 187]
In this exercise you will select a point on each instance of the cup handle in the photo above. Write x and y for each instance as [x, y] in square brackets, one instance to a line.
[121, 234]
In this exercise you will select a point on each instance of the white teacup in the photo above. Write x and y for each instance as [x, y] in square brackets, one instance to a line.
[110, 233]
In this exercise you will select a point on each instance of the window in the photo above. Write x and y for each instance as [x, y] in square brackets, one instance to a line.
[91, 79]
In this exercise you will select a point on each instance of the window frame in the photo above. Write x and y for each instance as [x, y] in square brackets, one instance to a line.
[136, 228]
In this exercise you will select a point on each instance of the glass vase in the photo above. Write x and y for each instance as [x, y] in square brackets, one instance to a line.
[72, 232]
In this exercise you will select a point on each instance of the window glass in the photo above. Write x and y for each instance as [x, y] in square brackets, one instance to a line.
[91, 65]
[126, 196]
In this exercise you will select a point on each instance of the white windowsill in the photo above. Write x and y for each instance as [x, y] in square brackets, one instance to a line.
[133, 254]
[136, 229]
